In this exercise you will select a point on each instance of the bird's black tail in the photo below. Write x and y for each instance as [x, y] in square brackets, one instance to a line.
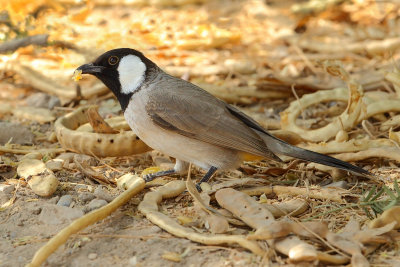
[280, 147]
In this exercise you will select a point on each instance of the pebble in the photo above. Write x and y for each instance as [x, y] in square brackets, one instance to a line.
[32, 155]
[6, 188]
[85, 196]
[142, 256]
[28, 167]
[100, 193]
[65, 201]
[17, 133]
[42, 100]
[13, 235]
[133, 261]
[66, 158]
[53, 200]
[95, 204]
[36, 211]
[54, 214]
[45, 184]
[55, 164]
[40, 115]
[42, 180]
[92, 256]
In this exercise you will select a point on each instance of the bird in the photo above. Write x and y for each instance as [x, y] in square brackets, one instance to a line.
[188, 123]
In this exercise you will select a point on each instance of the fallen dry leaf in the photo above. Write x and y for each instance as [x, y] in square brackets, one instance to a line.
[97, 122]
[388, 216]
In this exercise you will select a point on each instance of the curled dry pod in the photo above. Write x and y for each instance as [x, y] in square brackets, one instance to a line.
[100, 145]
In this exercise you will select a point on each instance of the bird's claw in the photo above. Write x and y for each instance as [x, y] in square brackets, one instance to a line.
[148, 177]
[198, 187]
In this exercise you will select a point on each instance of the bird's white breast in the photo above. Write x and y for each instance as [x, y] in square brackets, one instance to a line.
[131, 71]
[173, 144]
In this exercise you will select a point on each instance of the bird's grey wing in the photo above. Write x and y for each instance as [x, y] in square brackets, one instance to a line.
[190, 111]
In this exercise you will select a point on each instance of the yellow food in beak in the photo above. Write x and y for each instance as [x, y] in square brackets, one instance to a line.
[77, 75]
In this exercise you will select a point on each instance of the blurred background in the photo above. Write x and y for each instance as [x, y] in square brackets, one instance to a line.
[242, 51]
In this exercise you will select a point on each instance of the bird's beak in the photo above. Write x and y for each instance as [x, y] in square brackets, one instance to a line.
[90, 69]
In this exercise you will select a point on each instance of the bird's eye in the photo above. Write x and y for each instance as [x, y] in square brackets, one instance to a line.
[113, 60]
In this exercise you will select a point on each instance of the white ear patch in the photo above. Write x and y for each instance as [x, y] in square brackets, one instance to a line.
[131, 73]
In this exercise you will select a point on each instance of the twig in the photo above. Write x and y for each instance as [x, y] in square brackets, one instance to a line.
[86, 170]
[4, 149]
[12, 45]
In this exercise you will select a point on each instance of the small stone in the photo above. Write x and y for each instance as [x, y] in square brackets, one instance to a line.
[133, 261]
[53, 102]
[13, 235]
[32, 155]
[42, 100]
[40, 115]
[6, 188]
[142, 256]
[65, 201]
[44, 184]
[92, 256]
[100, 193]
[95, 204]
[55, 164]
[53, 214]
[36, 210]
[53, 200]
[17, 133]
[29, 167]
[85, 196]
[66, 157]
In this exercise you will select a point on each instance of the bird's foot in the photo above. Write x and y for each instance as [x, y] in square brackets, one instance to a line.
[198, 187]
[152, 173]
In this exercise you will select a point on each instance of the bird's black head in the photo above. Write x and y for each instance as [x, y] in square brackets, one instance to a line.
[122, 70]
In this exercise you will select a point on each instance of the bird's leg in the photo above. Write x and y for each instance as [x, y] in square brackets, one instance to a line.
[206, 177]
[179, 168]
[151, 176]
